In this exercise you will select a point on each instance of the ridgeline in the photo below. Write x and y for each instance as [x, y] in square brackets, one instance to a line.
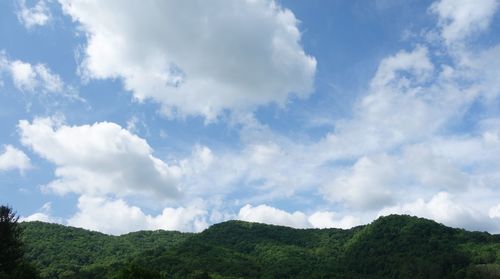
[390, 247]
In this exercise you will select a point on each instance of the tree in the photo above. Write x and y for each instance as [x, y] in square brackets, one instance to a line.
[12, 263]
[10, 245]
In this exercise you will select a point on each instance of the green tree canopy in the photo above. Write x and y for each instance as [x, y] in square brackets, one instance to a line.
[12, 263]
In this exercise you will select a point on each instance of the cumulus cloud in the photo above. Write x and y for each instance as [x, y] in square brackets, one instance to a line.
[394, 150]
[102, 158]
[31, 78]
[378, 180]
[44, 214]
[405, 103]
[37, 15]
[12, 158]
[327, 219]
[270, 215]
[443, 208]
[367, 185]
[405, 149]
[268, 170]
[400, 111]
[459, 19]
[392, 68]
[494, 211]
[196, 57]
[118, 217]
[320, 219]
[27, 77]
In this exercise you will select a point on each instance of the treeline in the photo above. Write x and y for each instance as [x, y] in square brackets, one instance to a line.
[390, 247]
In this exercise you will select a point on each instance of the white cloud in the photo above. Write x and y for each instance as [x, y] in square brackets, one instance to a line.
[23, 76]
[31, 78]
[367, 185]
[196, 58]
[404, 150]
[102, 158]
[12, 158]
[494, 211]
[443, 208]
[379, 180]
[394, 150]
[268, 169]
[118, 217]
[50, 81]
[459, 19]
[416, 63]
[320, 219]
[270, 215]
[43, 215]
[404, 104]
[39, 216]
[326, 219]
[481, 68]
[27, 77]
[38, 15]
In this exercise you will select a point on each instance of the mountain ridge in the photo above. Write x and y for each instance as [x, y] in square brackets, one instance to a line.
[394, 246]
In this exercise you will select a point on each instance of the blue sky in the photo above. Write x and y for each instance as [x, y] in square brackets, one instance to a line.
[119, 116]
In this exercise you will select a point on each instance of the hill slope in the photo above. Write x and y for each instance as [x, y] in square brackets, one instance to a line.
[390, 247]
[64, 252]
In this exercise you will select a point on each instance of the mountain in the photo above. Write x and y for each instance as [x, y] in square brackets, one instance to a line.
[65, 252]
[391, 247]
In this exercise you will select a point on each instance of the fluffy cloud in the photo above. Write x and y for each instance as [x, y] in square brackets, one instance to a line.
[326, 219]
[267, 169]
[270, 215]
[494, 212]
[196, 58]
[392, 68]
[321, 219]
[12, 158]
[404, 104]
[397, 111]
[118, 217]
[27, 77]
[445, 209]
[378, 180]
[38, 15]
[39, 216]
[460, 18]
[31, 78]
[102, 158]
[410, 145]
[394, 150]
[367, 185]
[43, 215]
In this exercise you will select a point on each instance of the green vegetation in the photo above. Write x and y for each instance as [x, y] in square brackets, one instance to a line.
[12, 261]
[390, 247]
[66, 252]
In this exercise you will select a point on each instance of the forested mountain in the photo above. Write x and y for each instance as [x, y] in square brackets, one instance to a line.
[390, 247]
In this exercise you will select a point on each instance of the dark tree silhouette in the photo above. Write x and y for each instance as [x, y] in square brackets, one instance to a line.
[10, 245]
[12, 263]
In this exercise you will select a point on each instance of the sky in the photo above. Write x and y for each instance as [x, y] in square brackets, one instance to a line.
[123, 115]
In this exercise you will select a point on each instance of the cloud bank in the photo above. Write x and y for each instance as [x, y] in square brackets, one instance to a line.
[409, 145]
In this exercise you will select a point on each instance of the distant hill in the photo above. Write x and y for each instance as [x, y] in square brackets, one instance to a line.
[65, 252]
[391, 247]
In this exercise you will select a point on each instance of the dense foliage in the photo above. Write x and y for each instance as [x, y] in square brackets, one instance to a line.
[12, 261]
[66, 252]
[391, 247]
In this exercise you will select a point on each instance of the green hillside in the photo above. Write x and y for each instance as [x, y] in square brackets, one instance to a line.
[65, 252]
[390, 247]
